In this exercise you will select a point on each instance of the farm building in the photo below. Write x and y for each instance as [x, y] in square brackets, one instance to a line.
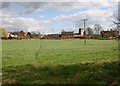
[65, 34]
[77, 35]
[52, 36]
[80, 34]
[82, 31]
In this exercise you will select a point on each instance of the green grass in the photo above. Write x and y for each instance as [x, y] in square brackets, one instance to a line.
[60, 61]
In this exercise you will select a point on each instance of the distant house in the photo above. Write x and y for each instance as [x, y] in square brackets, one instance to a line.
[109, 34]
[19, 35]
[13, 34]
[65, 34]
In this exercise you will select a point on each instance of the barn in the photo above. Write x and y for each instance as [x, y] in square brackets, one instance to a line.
[66, 35]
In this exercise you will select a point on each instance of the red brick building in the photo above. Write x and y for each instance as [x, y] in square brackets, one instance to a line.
[21, 34]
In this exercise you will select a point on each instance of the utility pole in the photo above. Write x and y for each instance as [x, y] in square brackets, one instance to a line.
[84, 20]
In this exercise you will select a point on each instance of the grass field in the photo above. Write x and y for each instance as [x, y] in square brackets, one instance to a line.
[60, 62]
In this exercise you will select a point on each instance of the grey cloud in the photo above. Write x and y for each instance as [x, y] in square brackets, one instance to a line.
[62, 6]
[5, 4]
[31, 7]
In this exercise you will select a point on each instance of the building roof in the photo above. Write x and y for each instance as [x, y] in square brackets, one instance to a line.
[14, 33]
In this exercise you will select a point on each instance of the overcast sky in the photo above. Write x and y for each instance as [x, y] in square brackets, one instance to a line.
[44, 16]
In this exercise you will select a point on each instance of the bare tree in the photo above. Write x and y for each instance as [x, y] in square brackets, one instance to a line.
[3, 33]
[89, 30]
[117, 19]
[97, 28]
